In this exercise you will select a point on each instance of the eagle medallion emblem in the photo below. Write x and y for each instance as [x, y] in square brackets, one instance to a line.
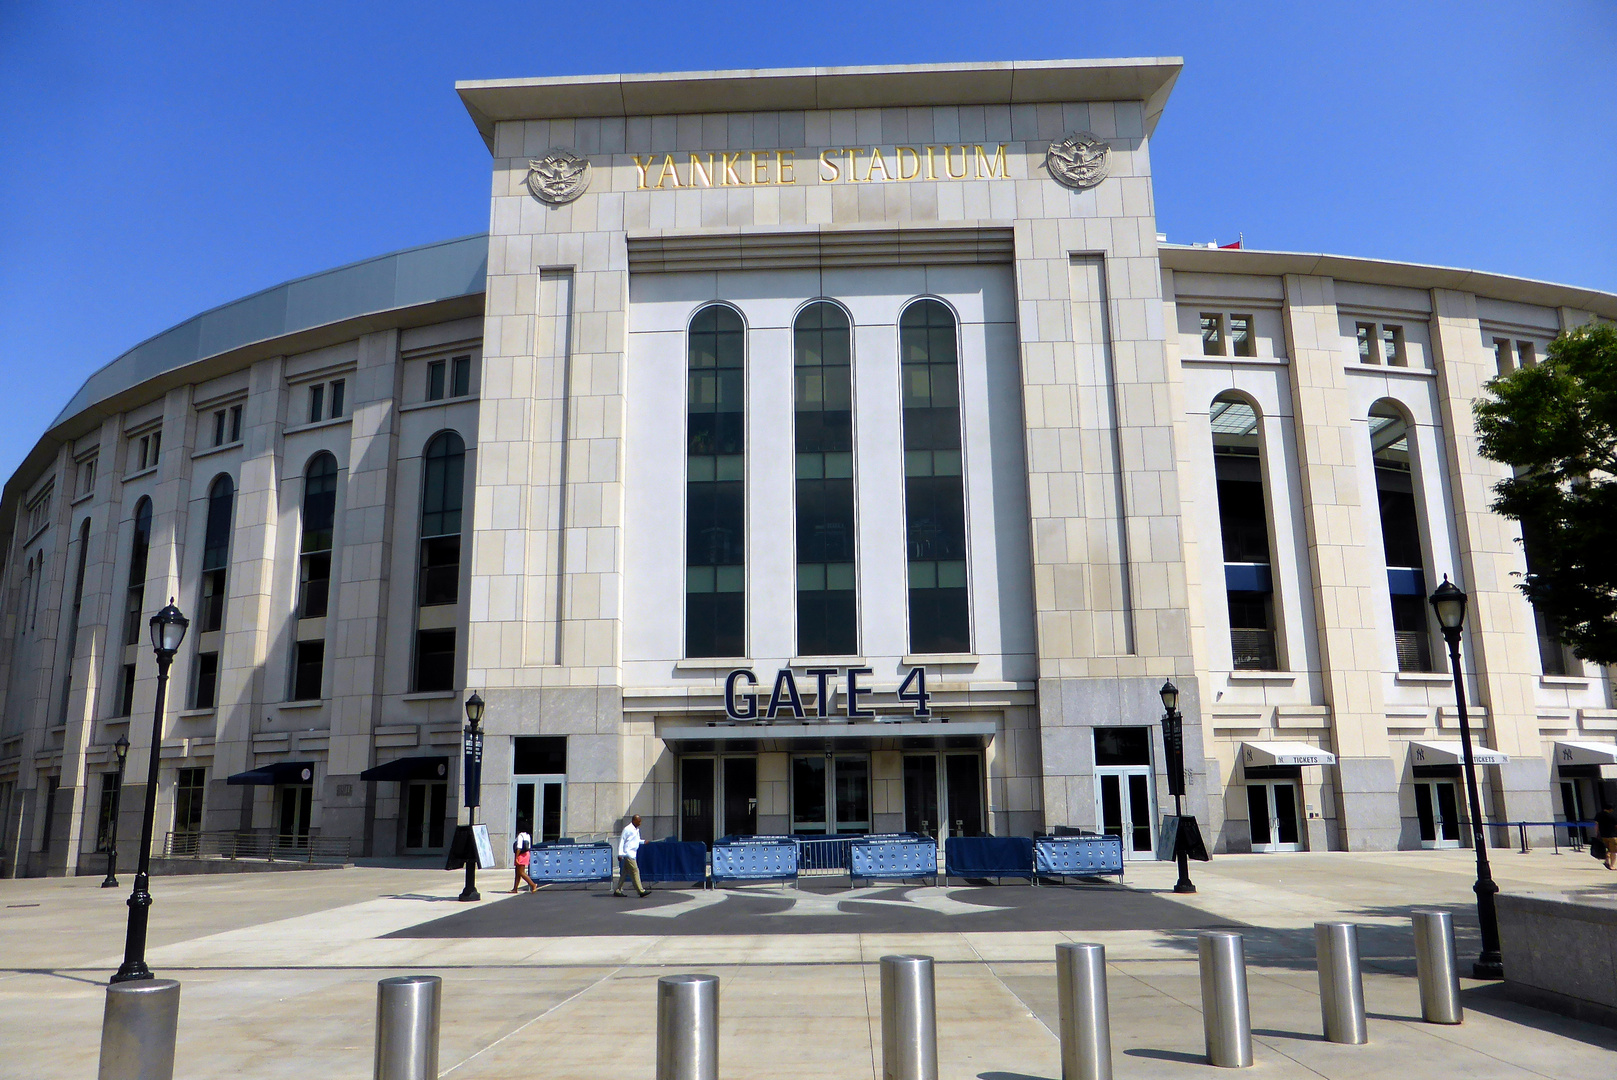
[1078, 159]
[559, 177]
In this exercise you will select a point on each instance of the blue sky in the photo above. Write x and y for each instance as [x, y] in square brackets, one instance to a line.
[159, 159]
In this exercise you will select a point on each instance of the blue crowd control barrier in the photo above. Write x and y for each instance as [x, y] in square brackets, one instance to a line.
[1077, 856]
[893, 858]
[988, 856]
[570, 862]
[673, 860]
[749, 861]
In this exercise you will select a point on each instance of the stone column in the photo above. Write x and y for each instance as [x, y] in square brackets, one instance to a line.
[1341, 539]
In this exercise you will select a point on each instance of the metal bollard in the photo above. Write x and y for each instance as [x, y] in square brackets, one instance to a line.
[1435, 968]
[1341, 984]
[138, 1030]
[1086, 1023]
[407, 1013]
[1226, 1014]
[909, 1019]
[688, 1027]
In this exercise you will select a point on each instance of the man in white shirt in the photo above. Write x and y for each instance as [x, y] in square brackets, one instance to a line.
[628, 848]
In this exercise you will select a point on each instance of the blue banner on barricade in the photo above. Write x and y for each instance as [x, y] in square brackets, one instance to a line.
[570, 862]
[750, 861]
[892, 857]
[988, 856]
[1077, 856]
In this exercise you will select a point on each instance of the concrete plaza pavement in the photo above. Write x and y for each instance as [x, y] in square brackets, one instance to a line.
[278, 971]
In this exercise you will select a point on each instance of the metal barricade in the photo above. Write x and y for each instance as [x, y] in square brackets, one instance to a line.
[255, 845]
[688, 1027]
[138, 1030]
[1226, 1012]
[571, 863]
[1085, 1020]
[408, 1011]
[1435, 968]
[909, 1019]
[892, 859]
[1341, 984]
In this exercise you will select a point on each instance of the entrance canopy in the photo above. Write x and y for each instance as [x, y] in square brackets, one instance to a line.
[1266, 754]
[1452, 753]
[409, 768]
[281, 772]
[804, 738]
[1585, 753]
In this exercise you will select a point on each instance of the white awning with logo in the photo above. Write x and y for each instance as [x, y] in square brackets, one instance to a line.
[1452, 753]
[1585, 753]
[1259, 754]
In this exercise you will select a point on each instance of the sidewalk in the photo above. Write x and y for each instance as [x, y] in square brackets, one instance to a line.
[279, 975]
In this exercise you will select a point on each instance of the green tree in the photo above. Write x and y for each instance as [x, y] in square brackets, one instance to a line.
[1555, 424]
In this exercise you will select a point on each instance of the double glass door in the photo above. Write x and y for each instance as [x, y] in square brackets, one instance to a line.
[1125, 806]
[297, 803]
[1437, 808]
[717, 797]
[1271, 810]
[830, 793]
[943, 794]
[426, 808]
[540, 806]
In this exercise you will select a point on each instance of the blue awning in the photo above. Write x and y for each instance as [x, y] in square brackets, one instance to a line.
[281, 772]
[409, 768]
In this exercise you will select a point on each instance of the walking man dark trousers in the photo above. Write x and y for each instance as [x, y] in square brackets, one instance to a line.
[628, 848]
[1606, 834]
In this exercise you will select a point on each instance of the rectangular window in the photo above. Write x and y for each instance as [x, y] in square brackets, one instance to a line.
[339, 390]
[134, 600]
[440, 571]
[235, 423]
[189, 788]
[460, 383]
[1241, 335]
[212, 615]
[140, 456]
[219, 428]
[206, 695]
[126, 691]
[1410, 633]
[434, 660]
[87, 470]
[1367, 342]
[308, 665]
[317, 399]
[150, 446]
[314, 585]
[1212, 334]
[435, 380]
[1392, 346]
[1252, 634]
[109, 796]
[1503, 360]
[1526, 354]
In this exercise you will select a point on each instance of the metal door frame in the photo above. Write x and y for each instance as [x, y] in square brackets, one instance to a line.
[720, 826]
[945, 823]
[831, 821]
[1269, 795]
[538, 780]
[1437, 821]
[1130, 853]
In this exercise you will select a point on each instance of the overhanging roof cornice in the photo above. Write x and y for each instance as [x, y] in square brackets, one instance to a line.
[1016, 82]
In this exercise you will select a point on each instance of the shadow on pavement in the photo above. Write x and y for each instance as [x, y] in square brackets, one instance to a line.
[1492, 1000]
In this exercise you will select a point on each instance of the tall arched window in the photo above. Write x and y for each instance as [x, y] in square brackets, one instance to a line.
[134, 603]
[1401, 535]
[827, 615]
[443, 482]
[1243, 519]
[215, 567]
[715, 478]
[73, 618]
[314, 576]
[934, 491]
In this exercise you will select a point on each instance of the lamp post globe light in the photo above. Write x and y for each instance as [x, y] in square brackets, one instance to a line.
[472, 781]
[1449, 603]
[1173, 742]
[121, 748]
[168, 630]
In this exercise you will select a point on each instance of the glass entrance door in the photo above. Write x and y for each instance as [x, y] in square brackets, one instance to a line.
[943, 794]
[1125, 805]
[740, 797]
[1271, 808]
[1578, 803]
[540, 807]
[426, 805]
[297, 801]
[1437, 806]
[717, 797]
[831, 793]
[697, 802]
[921, 810]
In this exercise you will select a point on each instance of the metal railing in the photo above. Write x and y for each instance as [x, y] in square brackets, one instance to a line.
[1578, 833]
[254, 845]
[829, 856]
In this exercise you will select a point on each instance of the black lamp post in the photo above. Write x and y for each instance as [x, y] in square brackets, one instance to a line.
[1173, 741]
[121, 747]
[168, 630]
[1449, 603]
[472, 782]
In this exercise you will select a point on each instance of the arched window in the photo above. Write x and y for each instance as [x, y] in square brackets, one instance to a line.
[827, 614]
[215, 568]
[443, 481]
[934, 491]
[73, 618]
[314, 576]
[1401, 535]
[715, 479]
[134, 603]
[1243, 519]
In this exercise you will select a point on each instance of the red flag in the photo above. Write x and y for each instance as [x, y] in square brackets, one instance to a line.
[1226, 247]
